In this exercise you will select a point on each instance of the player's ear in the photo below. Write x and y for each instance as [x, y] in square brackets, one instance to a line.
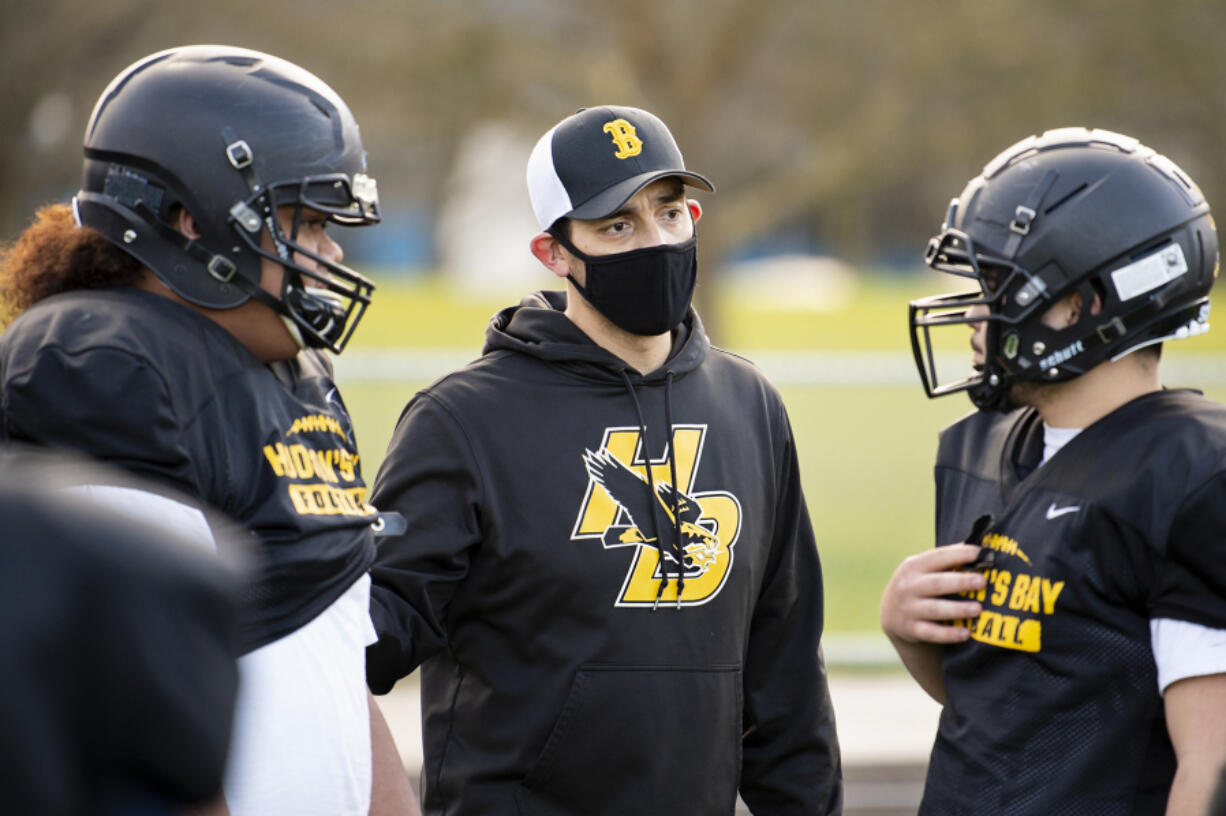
[185, 223]
[1064, 312]
[550, 253]
[695, 209]
[1075, 302]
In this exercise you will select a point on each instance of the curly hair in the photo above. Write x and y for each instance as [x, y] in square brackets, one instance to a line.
[55, 255]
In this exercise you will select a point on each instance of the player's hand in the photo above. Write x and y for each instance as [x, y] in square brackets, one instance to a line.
[914, 606]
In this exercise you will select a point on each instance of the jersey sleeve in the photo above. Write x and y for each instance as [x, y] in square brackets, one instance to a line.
[107, 403]
[1190, 580]
[791, 761]
[430, 477]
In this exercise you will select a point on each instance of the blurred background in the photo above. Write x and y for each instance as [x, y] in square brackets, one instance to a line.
[835, 133]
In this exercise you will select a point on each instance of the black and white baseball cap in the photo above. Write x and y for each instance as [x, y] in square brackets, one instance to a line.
[591, 163]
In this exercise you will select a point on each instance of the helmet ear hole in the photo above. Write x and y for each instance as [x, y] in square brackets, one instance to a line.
[1099, 289]
[1100, 295]
[184, 222]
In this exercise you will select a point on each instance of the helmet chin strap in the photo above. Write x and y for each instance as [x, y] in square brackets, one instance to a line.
[295, 331]
[278, 306]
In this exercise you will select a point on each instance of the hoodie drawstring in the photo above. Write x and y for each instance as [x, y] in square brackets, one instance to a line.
[678, 552]
[674, 547]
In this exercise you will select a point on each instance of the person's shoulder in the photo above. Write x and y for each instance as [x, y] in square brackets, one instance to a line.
[980, 422]
[1179, 422]
[493, 373]
[112, 303]
[110, 371]
[80, 343]
[968, 439]
[737, 369]
[735, 362]
[1177, 428]
[1190, 406]
[132, 320]
[465, 394]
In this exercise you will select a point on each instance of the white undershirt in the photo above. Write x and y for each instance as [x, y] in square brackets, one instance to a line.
[150, 508]
[1181, 649]
[1056, 438]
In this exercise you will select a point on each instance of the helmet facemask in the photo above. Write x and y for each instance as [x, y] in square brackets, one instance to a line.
[955, 253]
[321, 306]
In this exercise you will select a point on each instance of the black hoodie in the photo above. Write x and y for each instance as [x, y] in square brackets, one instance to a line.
[559, 673]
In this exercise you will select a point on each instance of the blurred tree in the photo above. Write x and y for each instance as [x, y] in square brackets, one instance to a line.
[855, 119]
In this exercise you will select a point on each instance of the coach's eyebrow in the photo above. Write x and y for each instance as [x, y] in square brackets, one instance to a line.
[669, 195]
[674, 192]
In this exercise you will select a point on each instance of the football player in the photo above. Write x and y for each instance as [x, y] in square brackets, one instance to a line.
[174, 322]
[609, 575]
[1073, 620]
[120, 638]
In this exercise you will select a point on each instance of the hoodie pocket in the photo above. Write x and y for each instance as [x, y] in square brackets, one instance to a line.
[641, 740]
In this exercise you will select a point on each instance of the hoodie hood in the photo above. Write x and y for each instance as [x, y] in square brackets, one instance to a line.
[538, 327]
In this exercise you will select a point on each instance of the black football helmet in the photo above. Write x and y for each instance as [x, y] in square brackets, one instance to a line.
[1073, 210]
[231, 135]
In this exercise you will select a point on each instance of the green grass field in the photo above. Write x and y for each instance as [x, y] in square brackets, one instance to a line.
[866, 451]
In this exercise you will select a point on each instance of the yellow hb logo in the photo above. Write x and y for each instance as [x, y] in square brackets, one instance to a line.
[709, 533]
[624, 137]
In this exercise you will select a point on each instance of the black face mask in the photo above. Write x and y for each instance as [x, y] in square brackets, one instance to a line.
[644, 291]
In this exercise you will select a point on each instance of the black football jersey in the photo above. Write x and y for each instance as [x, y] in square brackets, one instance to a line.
[136, 380]
[1053, 705]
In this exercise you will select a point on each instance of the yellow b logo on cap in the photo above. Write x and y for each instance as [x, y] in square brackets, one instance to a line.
[627, 142]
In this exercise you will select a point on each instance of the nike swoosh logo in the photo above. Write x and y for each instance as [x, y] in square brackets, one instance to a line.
[1054, 512]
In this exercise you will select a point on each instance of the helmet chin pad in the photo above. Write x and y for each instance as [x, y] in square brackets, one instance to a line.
[317, 316]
